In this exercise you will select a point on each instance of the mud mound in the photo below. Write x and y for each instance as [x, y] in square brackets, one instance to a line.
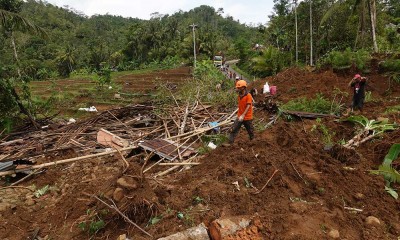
[296, 83]
[306, 198]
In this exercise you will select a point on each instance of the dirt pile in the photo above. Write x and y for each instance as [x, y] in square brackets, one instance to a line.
[316, 194]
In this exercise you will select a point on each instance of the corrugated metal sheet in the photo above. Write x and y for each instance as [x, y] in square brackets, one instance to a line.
[166, 149]
[5, 166]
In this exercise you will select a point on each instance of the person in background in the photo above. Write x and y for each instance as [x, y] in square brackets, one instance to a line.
[245, 112]
[358, 85]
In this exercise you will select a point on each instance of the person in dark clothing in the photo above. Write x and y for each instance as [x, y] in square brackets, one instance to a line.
[358, 85]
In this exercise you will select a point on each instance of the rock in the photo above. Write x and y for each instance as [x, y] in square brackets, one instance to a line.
[29, 202]
[109, 193]
[4, 207]
[118, 194]
[221, 228]
[122, 237]
[194, 233]
[298, 207]
[128, 183]
[334, 234]
[359, 196]
[373, 221]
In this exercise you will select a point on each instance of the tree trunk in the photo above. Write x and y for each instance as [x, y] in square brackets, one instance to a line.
[311, 36]
[14, 92]
[15, 54]
[360, 39]
[372, 11]
[22, 107]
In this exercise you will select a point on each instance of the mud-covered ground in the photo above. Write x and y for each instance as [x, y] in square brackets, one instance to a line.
[312, 193]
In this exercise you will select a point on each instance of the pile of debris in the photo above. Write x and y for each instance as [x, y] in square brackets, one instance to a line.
[170, 133]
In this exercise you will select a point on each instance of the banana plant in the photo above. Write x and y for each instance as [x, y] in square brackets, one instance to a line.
[370, 129]
[390, 174]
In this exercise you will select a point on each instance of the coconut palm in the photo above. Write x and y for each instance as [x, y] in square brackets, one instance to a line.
[364, 7]
[9, 23]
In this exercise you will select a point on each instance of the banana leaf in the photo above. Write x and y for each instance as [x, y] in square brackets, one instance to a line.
[392, 155]
[376, 126]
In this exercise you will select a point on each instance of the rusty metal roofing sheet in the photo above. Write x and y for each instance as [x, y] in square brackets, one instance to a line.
[166, 148]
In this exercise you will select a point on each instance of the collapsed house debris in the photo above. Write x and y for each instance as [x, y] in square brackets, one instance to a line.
[171, 135]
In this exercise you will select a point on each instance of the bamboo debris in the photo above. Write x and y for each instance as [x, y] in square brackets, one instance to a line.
[5, 173]
[184, 126]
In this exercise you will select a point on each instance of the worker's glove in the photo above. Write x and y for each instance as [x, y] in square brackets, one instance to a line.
[240, 119]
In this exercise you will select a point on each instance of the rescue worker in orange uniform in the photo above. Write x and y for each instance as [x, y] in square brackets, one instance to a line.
[245, 112]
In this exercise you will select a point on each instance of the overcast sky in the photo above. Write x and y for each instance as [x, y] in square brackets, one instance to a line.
[246, 11]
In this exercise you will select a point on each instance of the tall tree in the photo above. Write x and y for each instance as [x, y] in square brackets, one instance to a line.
[10, 22]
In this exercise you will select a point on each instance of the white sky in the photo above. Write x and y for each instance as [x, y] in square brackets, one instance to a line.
[246, 11]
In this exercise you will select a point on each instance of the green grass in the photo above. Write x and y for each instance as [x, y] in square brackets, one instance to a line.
[319, 104]
[393, 109]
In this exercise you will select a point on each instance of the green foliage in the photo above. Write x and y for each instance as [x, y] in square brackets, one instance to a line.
[347, 58]
[197, 200]
[41, 191]
[327, 134]
[93, 222]
[390, 65]
[103, 77]
[217, 139]
[319, 104]
[202, 87]
[8, 105]
[393, 109]
[390, 174]
[368, 96]
[270, 62]
[375, 126]
[93, 227]
[154, 220]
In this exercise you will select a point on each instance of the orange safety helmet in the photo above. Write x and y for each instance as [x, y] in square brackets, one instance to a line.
[241, 83]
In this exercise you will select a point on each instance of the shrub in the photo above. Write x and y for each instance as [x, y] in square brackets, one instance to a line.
[203, 86]
[345, 59]
[270, 62]
[319, 104]
[390, 65]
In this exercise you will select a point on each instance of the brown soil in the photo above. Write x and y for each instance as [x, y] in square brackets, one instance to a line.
[304, 200]
[149, 81]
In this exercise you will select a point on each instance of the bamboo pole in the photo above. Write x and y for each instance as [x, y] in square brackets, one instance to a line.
[179, 164]
[5, 173]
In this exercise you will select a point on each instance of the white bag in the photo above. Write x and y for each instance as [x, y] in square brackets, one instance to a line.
[266, 88]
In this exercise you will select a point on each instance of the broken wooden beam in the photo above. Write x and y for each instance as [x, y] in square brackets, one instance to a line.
[107, 138]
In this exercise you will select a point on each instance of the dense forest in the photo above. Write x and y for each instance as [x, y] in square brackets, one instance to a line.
[40, 41]
[75, 41]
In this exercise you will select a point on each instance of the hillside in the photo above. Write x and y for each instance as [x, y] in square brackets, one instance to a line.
[77, 42]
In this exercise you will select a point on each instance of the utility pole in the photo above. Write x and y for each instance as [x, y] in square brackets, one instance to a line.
[193, 26]
[297, 45]
[311, 33]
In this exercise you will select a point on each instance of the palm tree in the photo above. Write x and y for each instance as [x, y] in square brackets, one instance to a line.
[364, 7]
[9, 23]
